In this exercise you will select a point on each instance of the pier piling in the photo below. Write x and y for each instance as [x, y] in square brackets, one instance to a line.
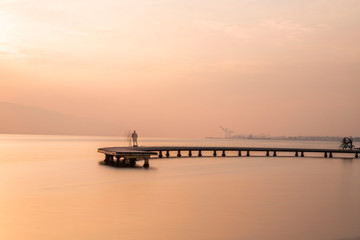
[146, 163]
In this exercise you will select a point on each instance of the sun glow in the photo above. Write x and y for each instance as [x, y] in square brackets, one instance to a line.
[8, 39]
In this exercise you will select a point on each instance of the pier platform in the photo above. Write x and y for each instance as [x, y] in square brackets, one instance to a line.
[126, 156]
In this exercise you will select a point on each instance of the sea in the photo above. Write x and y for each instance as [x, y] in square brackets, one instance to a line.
[55, 187]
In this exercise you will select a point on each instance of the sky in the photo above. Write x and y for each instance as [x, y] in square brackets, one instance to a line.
[177, 68]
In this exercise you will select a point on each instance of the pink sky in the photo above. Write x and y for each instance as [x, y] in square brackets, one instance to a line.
[181, 68]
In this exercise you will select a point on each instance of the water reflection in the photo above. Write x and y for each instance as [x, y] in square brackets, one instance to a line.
[347, 160]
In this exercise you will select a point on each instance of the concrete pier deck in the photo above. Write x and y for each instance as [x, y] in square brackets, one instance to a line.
[133, 154]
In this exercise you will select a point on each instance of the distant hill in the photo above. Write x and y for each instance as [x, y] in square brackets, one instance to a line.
[19, 119]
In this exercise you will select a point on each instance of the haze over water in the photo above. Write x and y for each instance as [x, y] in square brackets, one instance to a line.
[53, 187]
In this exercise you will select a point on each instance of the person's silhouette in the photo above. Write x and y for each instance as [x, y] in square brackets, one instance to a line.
[134, 137]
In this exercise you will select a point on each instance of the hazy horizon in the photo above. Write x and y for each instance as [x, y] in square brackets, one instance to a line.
[181, 69]
[27, 120]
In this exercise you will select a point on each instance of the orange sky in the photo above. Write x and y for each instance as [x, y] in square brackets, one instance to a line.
[181, 68]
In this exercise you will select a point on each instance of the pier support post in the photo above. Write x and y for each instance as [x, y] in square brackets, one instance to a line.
[296, 154]
[302, 154]
[146, 163]
[330, 155]
[325, 154]
[356, 155]
[223, 153]
[214, 153]
[274, 154]
[117, 161]
[132, 162]
[248, 153]
[111, 160]
[239, 154]
[160, 154]
[190, 154]
[267, 153]
[179, 154]
[200, 154]
[167, 154]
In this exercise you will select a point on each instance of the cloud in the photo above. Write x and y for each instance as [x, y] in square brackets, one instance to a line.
[287, 27]
[9, 51]
[258, 31]
[282, 24]
[4, 2]
[229, 29]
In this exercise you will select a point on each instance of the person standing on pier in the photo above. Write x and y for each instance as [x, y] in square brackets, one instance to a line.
[134, 137]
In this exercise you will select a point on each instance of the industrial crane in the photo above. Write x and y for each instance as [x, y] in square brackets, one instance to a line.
[227, 132]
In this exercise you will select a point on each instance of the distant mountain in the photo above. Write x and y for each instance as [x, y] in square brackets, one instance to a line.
[19, 119]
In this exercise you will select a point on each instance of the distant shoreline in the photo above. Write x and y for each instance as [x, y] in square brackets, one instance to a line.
[297, 138]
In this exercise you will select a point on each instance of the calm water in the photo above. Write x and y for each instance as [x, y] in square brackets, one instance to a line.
[53, 187]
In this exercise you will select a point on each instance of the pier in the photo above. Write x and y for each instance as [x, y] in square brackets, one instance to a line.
[129, 155]
[122, 156]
